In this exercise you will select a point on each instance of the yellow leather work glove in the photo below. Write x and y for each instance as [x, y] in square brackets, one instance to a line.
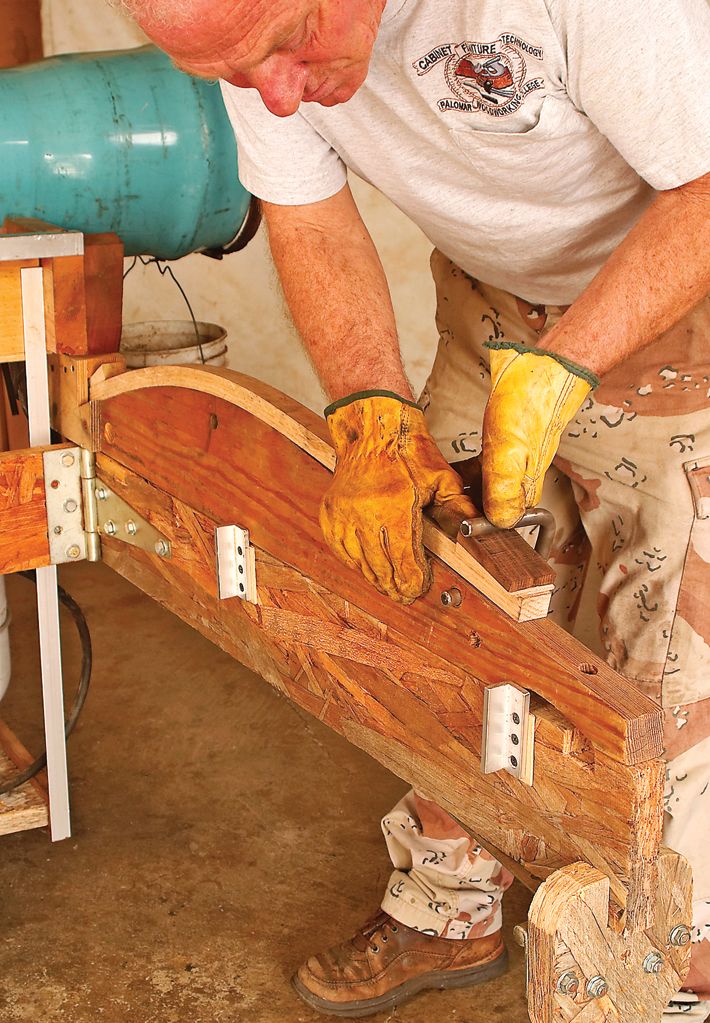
[388, 469]
[534, 394]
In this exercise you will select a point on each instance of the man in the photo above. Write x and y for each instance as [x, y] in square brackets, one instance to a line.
[556, 152]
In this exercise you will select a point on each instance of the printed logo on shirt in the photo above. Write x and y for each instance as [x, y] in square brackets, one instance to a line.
[492, 77]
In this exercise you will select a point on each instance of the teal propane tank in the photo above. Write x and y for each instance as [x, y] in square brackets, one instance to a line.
[121, 142]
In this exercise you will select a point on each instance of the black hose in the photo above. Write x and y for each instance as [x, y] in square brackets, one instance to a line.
[82, 689]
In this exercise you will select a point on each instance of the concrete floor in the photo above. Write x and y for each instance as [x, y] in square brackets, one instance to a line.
[220, 836]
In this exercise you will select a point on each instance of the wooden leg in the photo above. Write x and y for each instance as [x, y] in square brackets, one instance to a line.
[570, 944]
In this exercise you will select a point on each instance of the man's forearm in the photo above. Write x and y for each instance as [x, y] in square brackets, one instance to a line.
[658, 273]
[337, 294]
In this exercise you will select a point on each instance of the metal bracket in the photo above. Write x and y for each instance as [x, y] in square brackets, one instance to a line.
[236, 564]
[508, 732]
[63, 498]
[116, 518]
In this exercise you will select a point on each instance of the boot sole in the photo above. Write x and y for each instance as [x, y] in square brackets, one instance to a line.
[442, 979]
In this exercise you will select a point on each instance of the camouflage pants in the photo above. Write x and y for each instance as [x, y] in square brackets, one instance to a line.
[630, 488]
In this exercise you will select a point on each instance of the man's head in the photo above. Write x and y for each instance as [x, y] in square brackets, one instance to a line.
[315, 51]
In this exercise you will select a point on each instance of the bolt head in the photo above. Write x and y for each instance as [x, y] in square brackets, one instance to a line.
[162, 548]
[131, 528]
[110, 528]
[446, 598]
[70, 505]
[68, 459]
[680, 936]
[101, 494]
[653, 963]
[74, 551]
[58, 530]
[568, 984]
[597, 987]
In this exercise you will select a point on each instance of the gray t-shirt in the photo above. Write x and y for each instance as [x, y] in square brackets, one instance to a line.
[525, 138]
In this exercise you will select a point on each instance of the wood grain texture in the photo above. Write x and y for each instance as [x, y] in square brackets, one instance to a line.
[257, 468]
[408, 702]
[27, 807]
[69, 377]
[21, 35]
[12, 341]
[568, 932]
[23, 512]
[83, 294]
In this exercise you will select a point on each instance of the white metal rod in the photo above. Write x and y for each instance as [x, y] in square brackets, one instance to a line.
[47, 596]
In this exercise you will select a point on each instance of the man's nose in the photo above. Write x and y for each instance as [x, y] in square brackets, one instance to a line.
[280, 81]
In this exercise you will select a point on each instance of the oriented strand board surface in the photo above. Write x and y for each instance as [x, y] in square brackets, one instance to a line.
[392, 689]
[22, 809]
[23, 513]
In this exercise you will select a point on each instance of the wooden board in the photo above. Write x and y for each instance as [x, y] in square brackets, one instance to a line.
[27, 806]
[407, 702]
[83, 294]
[12, 339]
[568, 933]
[23, 512]
[21, 35]
[254, 465]
[69, 377]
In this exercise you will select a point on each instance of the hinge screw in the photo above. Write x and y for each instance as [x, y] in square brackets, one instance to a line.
[68, 459]
[597, 987]
[110, 528]
[452, 597]
[58, 530]
[680, 936]
[101, 494]
[74, 551]
[568, 984]
[653, 963]
[70, 505]
[162, 548]
[131, 528]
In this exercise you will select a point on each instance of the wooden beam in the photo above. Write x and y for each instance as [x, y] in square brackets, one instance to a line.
[83, 294]
[21, 36]
[262, 465]
[23, 511]
[410, 704]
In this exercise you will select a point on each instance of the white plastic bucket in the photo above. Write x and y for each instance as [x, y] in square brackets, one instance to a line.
[173, 343]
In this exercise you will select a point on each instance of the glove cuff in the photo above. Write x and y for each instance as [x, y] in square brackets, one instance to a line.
[358, 395]
[572, 367]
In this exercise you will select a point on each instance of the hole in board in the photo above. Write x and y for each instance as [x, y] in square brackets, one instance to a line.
[241, 587]
[240, 552]
[241, 569]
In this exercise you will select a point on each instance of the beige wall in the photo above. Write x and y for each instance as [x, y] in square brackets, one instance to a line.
[241, 292]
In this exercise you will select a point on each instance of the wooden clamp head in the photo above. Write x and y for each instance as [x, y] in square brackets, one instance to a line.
[580, 970]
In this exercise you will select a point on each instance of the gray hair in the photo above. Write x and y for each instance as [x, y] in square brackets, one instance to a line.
[158, 12]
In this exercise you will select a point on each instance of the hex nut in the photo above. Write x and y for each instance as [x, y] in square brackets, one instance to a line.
[70, 505]
[680, 936]
[597, 987]
[653, 963]
[68, 459]
[568, 984]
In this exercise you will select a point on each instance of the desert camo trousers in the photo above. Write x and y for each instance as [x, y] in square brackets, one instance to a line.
[630, 491]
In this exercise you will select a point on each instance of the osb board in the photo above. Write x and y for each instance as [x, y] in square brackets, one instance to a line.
[25, 808]
[410, 704]
[24, 542]
[227, 462]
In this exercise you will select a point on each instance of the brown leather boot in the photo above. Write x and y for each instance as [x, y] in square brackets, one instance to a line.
[387, 963]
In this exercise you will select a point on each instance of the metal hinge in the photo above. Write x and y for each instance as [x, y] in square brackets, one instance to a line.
[107, 514]
[508, 732]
